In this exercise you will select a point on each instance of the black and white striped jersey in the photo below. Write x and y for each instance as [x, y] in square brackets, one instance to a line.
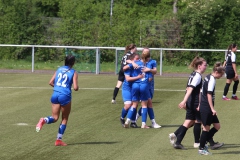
[124, 59]
[194, 81]
[208, 87]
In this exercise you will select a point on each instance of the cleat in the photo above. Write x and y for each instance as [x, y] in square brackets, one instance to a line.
[204, 151]
[113, 101]
[145, 126]
[179, 146]
[59, 142]
[155, 125]
[133, 125]
[226, 99]
[122, 121]
[41, 122]
[172, 138]
[216, 145]
[235, 98]
[126, 124]
[196, 145]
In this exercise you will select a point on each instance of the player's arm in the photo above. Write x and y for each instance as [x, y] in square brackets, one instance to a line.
[235, 69]
[199, 100]
[153, 71]
[51, 82]
[224, 63]
[129, 79]
[135, 66]
[75, 81]
[209, 97]
[188, 93]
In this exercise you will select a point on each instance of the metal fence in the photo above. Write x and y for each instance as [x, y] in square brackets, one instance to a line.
[97, 49]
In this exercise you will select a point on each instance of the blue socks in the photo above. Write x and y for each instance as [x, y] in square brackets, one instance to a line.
[151, 113]
[61, 130]
[49, 119]
[124, 113]
[144, 114]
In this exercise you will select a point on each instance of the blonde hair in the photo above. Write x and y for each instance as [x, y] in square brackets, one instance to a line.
[145, 54]
[218, 67]
[196, 62]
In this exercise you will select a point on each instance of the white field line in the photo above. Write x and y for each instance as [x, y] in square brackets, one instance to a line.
[49, 88]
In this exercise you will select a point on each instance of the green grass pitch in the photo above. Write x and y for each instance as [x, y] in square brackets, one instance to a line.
[94, 131]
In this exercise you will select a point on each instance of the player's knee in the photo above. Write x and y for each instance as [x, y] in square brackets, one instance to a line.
[236, 82]
[217, 126]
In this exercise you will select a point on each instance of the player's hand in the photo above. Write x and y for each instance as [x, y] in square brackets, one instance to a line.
[140, 76]
[182, 105]
[145, 69]
[236, 75]
[214, 112]
[198, 108]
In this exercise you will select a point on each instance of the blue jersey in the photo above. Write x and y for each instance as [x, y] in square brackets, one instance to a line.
[136, 72]
[140, 87]
[127, 87]
[151, 64]
[63, 80]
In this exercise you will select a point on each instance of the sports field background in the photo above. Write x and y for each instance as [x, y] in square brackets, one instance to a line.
[94, 131]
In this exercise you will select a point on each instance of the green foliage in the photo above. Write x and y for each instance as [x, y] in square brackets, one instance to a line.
[203, 24]
[210, 25]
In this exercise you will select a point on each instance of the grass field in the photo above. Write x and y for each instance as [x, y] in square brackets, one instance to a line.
[83, 67]
[94, 131]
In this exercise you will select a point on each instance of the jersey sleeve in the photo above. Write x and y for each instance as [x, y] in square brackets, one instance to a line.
[127, 72]
[211, 84]
[195, 81]
[233, 57]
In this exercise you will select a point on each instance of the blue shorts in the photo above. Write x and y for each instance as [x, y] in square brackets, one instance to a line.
[59, 98]
[126, 92]
[140, 91]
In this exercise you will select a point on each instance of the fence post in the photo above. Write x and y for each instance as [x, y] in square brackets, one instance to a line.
[32, 58]
[161, 62]
[116, 61]
[97, 60]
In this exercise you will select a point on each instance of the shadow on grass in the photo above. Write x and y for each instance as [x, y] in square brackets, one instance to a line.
[155, 102]
[168, 126]
[227, 146]
[93, 143]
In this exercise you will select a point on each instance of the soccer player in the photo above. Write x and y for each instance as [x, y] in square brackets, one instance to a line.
[151, 66]
[190, 101]
[61, 82]
[140, 89]
[126, 90]
[130, 49]
[231, 72]
[207, 109]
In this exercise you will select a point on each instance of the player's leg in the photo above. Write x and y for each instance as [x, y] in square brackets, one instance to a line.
[212, 132]
[230, 76]
[135, 99]
[62, 127]
[144, 95]
[197, 129]
[121, 78]
[55, 113]
[206, 119]
[189, 122]
[151, 114]
[235, 86]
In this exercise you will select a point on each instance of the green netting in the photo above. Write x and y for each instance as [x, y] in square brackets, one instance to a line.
[85, 59]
